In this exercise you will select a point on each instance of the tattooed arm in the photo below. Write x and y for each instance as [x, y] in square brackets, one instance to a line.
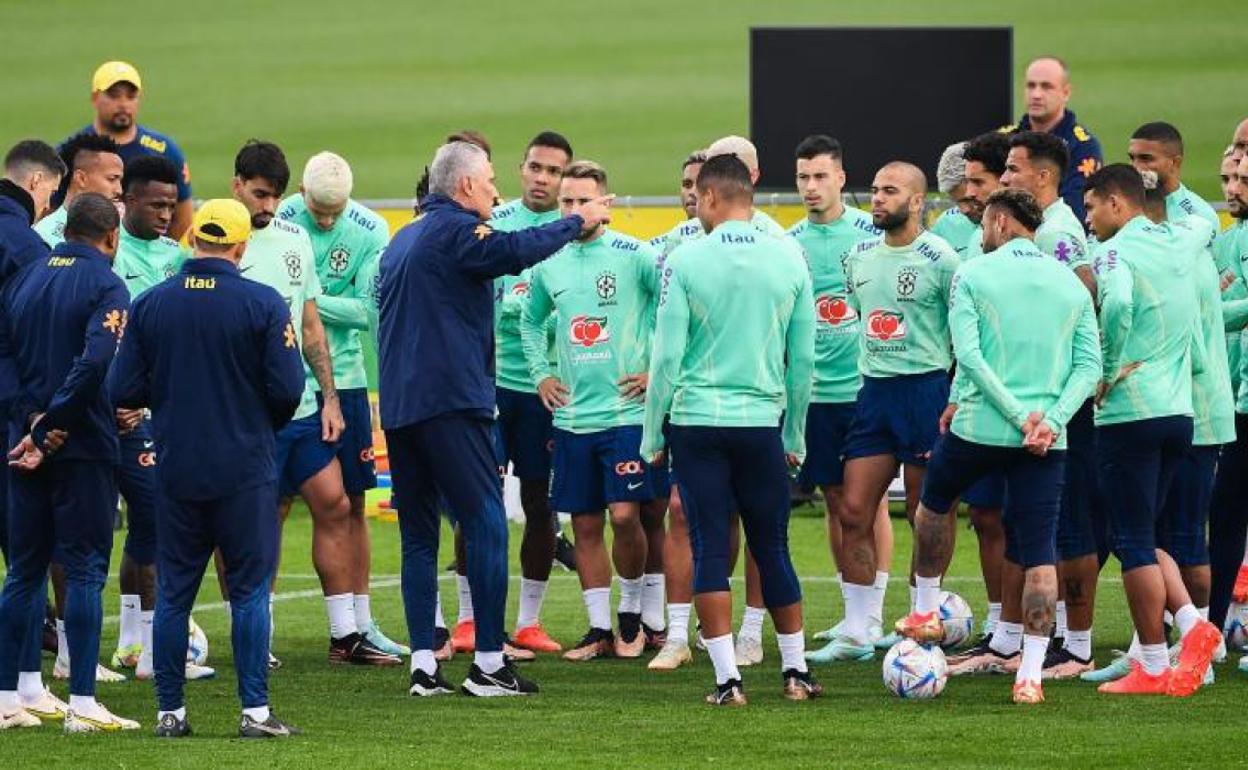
[316, 353]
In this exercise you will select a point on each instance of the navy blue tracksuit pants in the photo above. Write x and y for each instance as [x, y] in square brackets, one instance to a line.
[244, 528]
[64, 507]
[450, 457]
[717, 466]
[1228, 520]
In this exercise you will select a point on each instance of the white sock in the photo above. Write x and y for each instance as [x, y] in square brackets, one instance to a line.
[1135, 651]
[752, 623]
[1032, 664]
[489, 662]
[438, 620]
[1204, 612]
[653, 597]
[678, 622]
[858, 601]
[532, 592]
[465, 598]
[1167, 618]
[259, 713]
[9, 701]
[630, 595]
[880, 587]
[1244, 563]
[598, 606]
[1155, 658]
[792, 651]
[341, 611]
[129, 631]
[363, 613]
[1187, 617]
[62, 644]
[82, 704]
[1079, 643]
[926, 594]
[423, 660]
[994, 617]
[145, 664]
[1007, 639]
[724, 658]
[1059, 619]
[914, 594]
[29, 685]
[179, 713]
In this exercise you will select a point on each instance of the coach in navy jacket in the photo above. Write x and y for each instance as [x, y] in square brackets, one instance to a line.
[437, 396]
[214, 356]
[60, 320]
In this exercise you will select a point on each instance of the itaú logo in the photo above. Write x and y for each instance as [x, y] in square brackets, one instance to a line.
[834, 310]
[588, 331]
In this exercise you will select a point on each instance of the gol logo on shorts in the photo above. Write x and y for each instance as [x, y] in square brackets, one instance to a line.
[147, 459]
[630, 468]
[367, 455]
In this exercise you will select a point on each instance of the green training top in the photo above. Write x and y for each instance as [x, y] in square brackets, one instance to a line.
[837, 326]
[691, 229]
[1213, 400]
[52, 227]
[1150, 316]
[142, 263]
[1183, 203]
[280, 256]
[1061, 236]
[902, 295]
[1013, 360]
[1230, 253]
[511, 292]
[357, 238]
[602, 296]
[734, 345]
[956, 228]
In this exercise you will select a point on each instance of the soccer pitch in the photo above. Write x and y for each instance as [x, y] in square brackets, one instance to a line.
[634, 85]
[615, 713]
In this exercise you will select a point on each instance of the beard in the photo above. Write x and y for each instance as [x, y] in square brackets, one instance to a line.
[891, 221]
[260, 221]
[120, 121]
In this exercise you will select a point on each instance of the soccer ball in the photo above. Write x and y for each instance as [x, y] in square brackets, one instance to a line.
[1236, 627]
[955, 613]
[913, 670]
[196, 644]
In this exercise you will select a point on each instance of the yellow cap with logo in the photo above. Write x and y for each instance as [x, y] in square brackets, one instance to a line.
[222, 220]
[110, 73]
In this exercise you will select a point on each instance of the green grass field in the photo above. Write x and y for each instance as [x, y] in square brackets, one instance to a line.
[635, 85]
[615, 713]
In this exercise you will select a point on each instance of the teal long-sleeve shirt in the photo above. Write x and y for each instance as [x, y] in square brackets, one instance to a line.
[735, 337]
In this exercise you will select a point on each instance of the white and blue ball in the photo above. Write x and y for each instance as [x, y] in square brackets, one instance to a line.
[196, 644]
[959, 621]
[915, 671]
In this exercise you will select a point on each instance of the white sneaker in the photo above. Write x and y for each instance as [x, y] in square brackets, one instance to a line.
[100, 721]
[749, 651]
[18, 718]
[194, 672]
[672, 655]
[60, 670]
[46, 706]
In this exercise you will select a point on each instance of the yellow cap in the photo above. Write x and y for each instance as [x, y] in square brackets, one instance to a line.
[111, 73]
[222, 220]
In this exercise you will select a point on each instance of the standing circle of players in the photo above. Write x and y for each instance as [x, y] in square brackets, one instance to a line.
[608, 374]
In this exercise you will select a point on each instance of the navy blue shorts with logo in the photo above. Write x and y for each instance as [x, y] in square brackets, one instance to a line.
[136, 480]
[591, 470]
[827, 426]
[1035, 485]
[522, 434]
[301, 454]
[898, 416]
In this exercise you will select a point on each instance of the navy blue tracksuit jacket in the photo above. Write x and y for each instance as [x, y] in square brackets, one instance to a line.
[436, 342]
[214, 356]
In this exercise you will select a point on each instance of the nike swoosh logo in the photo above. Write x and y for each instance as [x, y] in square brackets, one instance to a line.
[245, 269]
[861, 283]
[556, 294]
[497, 683]
[132, 277]
[147, 445]
[631, 487]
